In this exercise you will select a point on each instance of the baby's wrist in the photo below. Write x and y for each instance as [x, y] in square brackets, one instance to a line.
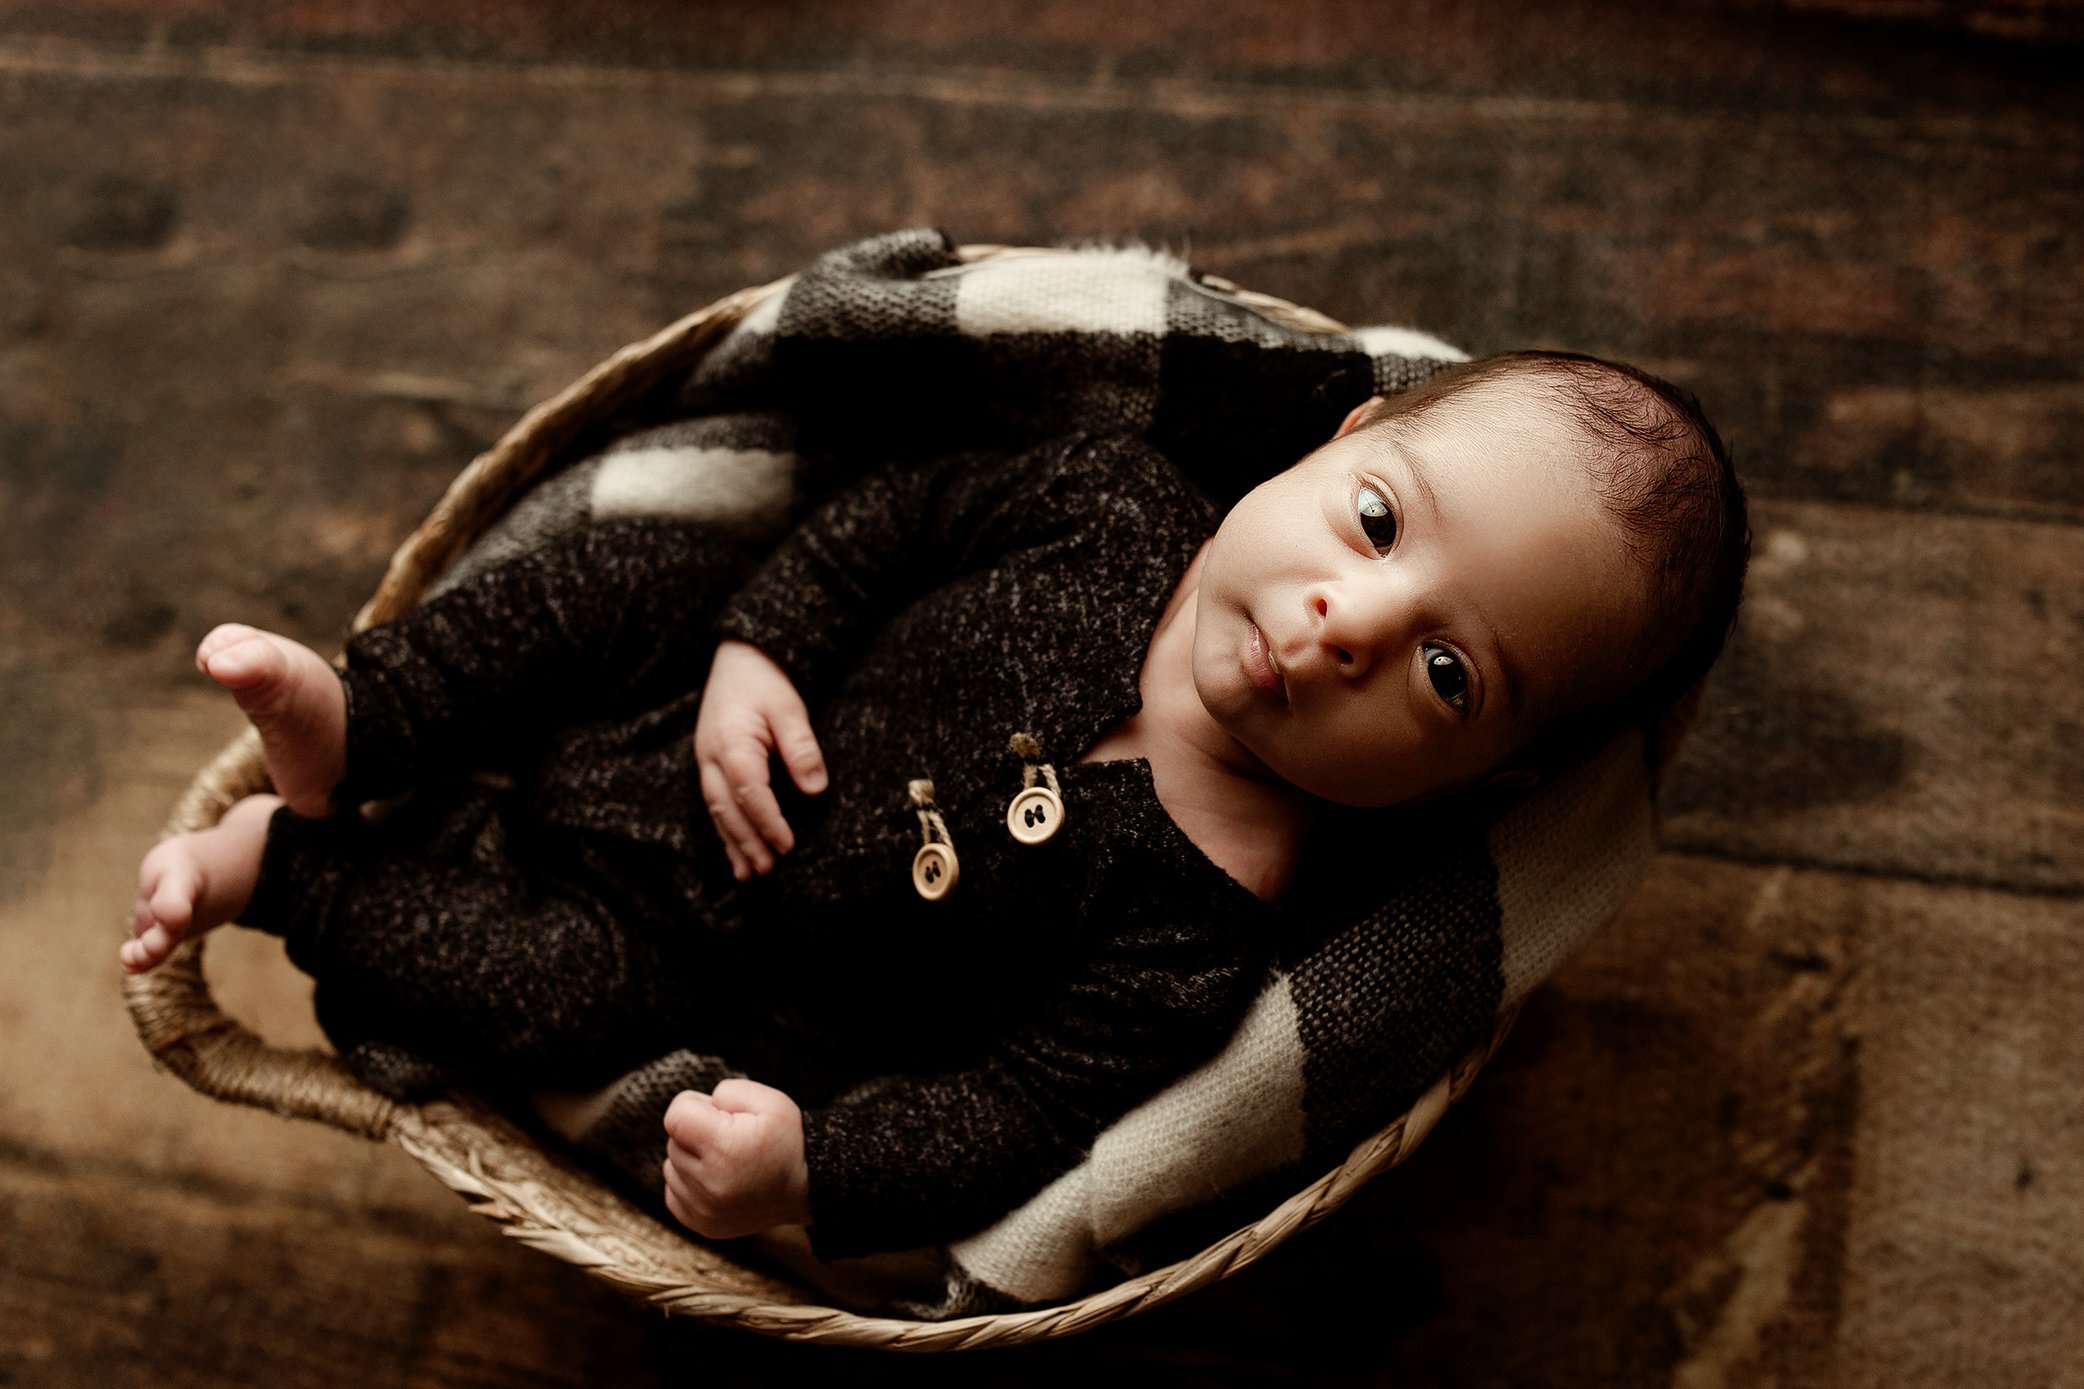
[795, 1185]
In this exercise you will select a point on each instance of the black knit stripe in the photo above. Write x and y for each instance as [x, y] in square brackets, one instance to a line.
[1232, 414]
[628, 1136]
[874, 291]
[1395, 373]
[1384, 1006]
[747, 431]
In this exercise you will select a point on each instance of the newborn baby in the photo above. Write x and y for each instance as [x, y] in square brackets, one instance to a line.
[1080, 730]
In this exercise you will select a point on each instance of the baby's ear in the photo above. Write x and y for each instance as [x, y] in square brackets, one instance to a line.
[1356, 415]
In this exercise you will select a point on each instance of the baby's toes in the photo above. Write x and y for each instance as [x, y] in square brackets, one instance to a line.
[164, 910]
[147, 951]
[219, 637]
[173, 904]
[245, 660]
[169, 884]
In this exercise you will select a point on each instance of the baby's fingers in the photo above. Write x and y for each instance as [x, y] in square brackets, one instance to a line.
[745, 774]
[759, 805]
[678, 1199]
[799, 749]
[692, 1121]
[748, 854]
[687, 1204]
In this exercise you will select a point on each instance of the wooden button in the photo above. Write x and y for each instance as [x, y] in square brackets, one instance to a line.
[934, 871]
[1035, 815]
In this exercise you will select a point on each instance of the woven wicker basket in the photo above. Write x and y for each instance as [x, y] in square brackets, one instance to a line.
[542, 1197]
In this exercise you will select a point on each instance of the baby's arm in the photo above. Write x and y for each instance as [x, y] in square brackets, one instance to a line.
[921, 1159]
[734, 1160]
[914, 1160]
[749, 711]
[799, 623]
[898, 533]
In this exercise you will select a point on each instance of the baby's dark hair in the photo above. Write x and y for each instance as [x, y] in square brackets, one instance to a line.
[1664, 476]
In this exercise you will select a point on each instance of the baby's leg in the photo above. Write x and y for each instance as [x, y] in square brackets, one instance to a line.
[192, 882]
[489, 973]
[611, 613]
[607, 620]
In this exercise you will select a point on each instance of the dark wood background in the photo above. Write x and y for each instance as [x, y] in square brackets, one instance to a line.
[1809, 1114]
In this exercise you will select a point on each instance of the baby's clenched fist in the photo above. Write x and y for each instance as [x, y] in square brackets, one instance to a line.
[734, 1160]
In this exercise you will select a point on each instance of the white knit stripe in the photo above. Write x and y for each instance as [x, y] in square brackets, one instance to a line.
[1043, 1250]
[1096, 292]
[762, 321]
[1569, 857]
[1384, 339]
[748, 489]
[1237, 1116]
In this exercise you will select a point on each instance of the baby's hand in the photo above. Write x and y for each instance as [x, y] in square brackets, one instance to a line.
[750, 709]
[734, 1160]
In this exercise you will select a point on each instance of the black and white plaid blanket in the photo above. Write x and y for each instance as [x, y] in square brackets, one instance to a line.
[898, 345]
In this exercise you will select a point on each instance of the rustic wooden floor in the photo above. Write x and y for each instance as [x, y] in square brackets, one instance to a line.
[1811, 1114]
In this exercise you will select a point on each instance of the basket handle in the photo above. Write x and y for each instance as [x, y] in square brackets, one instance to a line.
[182, 1025]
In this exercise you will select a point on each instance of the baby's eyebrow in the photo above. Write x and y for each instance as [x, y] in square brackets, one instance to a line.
[1416, 465]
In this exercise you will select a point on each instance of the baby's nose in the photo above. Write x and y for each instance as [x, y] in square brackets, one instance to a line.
[1353, 632]
[1351, 658]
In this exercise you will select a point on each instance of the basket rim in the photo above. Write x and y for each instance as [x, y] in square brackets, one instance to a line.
[182, 1026]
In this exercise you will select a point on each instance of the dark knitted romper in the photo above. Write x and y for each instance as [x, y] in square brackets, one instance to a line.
[572, 915]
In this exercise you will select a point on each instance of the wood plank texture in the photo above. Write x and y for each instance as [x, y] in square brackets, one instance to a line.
[1903, 697]
[1805, 1116]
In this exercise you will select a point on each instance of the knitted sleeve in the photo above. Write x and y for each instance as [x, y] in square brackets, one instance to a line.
[914, 1160]
[875, 547]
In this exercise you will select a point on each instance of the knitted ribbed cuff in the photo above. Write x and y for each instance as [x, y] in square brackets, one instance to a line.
[303, 864]
[844, 1221]
[381, 751]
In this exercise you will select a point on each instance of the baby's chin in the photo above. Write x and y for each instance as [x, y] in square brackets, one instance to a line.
[1222, 689]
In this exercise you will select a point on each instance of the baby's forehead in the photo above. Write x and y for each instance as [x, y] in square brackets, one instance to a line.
[1523, 411]
[1527, 397]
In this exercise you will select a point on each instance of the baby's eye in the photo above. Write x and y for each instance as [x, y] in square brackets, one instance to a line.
[1376, 519]
[1450, 680]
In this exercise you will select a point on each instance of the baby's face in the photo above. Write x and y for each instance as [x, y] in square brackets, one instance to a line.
[1397, 614]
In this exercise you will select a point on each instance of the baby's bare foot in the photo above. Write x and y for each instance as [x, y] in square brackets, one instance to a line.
[195, 881]
[295, 700]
